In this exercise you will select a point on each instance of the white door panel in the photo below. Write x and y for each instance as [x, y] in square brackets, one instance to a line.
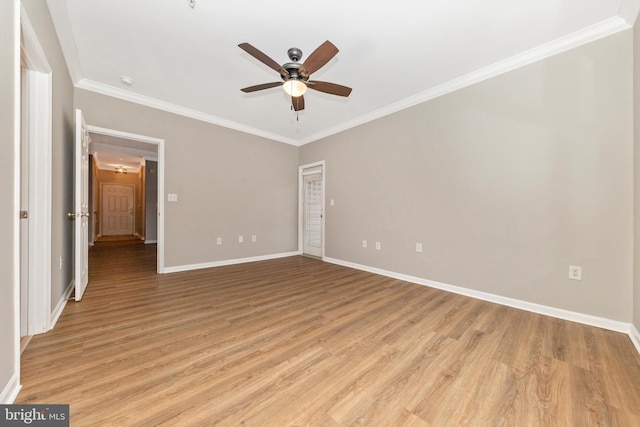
[81, 207]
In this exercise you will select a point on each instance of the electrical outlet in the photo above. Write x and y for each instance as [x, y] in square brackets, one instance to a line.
[240, 239]
[378, 247]
[254, 238]
[575, 272]
[364, 243]
[219, 241]
[172, 197]
[418, 247]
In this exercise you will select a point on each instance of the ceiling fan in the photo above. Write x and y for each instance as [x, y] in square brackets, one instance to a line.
[296, 75]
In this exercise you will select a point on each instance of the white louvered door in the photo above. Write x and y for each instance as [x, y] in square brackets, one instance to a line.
[312, 213]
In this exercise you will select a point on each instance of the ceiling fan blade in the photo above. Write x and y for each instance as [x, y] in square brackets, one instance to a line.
[331, 88]
[318, 58]
[260, 56]
[261, 87]
[297, 102]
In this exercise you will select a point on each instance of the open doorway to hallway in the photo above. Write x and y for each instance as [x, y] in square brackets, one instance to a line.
[125, 188]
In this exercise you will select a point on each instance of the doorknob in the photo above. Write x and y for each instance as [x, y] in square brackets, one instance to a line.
[72, 215]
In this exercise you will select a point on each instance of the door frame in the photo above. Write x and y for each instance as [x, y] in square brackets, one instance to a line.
[39, 97]
[160, 268]
[301, 171]
[101, 201]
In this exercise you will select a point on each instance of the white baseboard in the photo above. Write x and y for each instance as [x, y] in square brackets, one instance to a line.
[146, 242]
[189, 267]
[55, 314]
[635, 337]
[559, 313]
[10, 392]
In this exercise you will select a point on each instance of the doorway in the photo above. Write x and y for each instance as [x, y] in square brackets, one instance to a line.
[149, 202]
[35, 185]
[311, 209]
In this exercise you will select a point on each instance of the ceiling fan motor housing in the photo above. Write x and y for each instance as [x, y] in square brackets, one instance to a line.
[292, 68]
[295, 54]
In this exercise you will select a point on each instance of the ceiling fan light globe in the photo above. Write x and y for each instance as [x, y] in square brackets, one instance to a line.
[294, 87]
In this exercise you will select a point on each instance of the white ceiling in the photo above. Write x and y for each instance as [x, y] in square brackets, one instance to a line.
[110, 152]
[393, 54]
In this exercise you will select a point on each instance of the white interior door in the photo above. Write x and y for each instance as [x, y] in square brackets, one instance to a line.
[312, 213]
[117, 210]
[81, 207]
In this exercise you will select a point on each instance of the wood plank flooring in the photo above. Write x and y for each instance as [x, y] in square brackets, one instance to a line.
[299, 342]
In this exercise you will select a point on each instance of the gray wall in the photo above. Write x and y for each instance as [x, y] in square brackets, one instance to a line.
[8, 68]
[228, 183]
[505, 183]
[151, 201]
[61, 149]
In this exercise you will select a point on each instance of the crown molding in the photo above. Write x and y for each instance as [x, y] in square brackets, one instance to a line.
[578, 38]
[148, 101]
[563, 44]
[629, 10]
[60, 17]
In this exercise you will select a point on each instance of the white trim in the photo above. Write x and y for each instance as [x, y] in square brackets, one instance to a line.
[62, 24]
[146, 242]
[148, 101]
[629, 10]
[125, 135]
[570, 41]
[57, 311]
[34, 55]
[160, 143]
[562, 44]
[634, 335]
[11, 390]
[39, 131]
[222, 263]
[319, 168]
[559, 313]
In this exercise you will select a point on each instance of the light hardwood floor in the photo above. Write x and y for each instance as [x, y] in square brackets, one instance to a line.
[295, 342]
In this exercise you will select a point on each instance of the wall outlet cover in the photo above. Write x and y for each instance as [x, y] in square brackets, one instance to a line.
[575, 272]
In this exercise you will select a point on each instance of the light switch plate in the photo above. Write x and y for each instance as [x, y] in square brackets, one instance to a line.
[575, 272]
[172, 197]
